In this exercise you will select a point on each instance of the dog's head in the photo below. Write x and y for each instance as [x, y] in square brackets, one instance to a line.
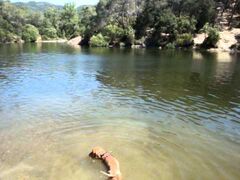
[97, 152]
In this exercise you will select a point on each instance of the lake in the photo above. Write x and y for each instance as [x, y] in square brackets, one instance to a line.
[164, 114]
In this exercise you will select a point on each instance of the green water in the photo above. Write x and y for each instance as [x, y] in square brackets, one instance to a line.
[164, 114]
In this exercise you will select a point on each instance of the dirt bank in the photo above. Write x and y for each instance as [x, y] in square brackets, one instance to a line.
[227, 39]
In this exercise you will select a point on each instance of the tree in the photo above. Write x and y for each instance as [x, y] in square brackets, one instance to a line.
[53, 16]
[86, 18]
[203, 11]
[69, 21]
[30, 33]
[35, 18]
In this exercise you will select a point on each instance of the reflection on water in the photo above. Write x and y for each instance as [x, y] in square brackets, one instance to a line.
[164, 114]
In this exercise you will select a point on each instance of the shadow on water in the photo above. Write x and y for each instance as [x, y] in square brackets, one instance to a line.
[15, 49]
[172, 74]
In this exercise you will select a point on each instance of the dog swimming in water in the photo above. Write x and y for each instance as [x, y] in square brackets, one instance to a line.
[110, 161]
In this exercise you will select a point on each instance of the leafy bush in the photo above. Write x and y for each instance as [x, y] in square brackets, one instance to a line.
[114, 33]
[98, 41]
[184, 40]
[170, 46]
[49, 33]
[212, 36]
[30, 33]
[8, 37]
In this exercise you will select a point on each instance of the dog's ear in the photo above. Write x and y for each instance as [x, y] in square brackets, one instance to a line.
[92, 155]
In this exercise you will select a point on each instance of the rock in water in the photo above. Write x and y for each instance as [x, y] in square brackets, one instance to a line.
[75, 41]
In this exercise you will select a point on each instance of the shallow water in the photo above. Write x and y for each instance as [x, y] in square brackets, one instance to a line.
[163, 114]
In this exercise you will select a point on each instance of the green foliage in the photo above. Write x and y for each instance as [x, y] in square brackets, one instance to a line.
[203, 10]
[167, 22]
[35, 19]
[30, 33]
[168, 26]
[98, 41]
[6, 25]
[7, 37]
[186, 24]
[164, 29]
[12, 18]
[52, 16]
[49, 33]
[170, 46]
[129, 36]
[69, 21]
[116, 34]
[212, 36]
[113, 32]
[184, 40]
[86, 16]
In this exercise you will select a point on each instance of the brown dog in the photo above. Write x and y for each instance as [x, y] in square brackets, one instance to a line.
[111, 162]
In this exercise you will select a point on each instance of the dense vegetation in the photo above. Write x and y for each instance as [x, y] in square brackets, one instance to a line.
[151, 23]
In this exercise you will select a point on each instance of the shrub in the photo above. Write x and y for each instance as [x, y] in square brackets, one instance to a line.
[8, 37]
[49, 33]
[30, 33]
[98, 41]
[184, 40]
[212, 36]
[170, 46]
[114, 33]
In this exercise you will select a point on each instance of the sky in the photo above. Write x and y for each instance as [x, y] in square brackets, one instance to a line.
[62, 2]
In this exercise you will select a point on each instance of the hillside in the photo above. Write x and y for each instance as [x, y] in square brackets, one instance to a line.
[37, 6]
[42, 6]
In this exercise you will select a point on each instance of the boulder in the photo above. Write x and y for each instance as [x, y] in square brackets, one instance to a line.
[75, 41]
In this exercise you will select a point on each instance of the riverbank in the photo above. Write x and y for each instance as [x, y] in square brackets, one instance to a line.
[228, 42]
[52, 41]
